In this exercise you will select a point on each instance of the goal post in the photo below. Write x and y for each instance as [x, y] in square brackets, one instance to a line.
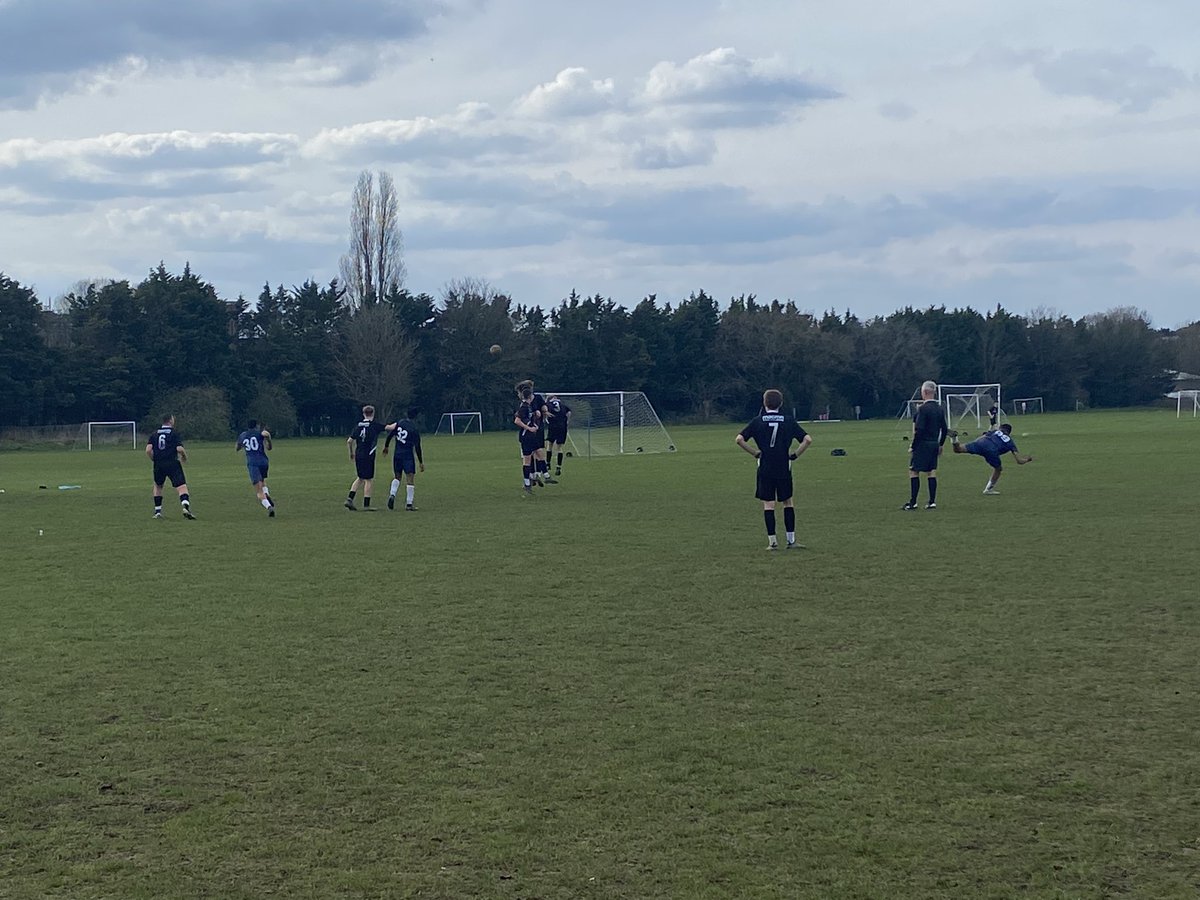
[1023, 406]
[110, 435]
[613, 423]
[968, 401]
[1185, 400]
[460, 423]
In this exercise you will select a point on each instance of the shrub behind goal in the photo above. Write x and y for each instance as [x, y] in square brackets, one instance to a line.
[611, 423]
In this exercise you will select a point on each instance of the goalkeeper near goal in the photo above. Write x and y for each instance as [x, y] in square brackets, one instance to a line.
[773, 432]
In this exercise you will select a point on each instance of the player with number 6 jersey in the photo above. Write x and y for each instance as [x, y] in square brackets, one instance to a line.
[773, 432]
[255, 442]
[165, 449]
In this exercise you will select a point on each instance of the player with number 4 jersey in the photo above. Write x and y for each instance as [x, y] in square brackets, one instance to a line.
[773, 432]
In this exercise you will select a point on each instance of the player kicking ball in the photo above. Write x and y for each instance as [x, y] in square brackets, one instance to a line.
[992, 446]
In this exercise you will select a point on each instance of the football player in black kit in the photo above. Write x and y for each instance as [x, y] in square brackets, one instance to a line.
[165, 449]
[773, 432]
[528, 418]
[560, 421]
[408, 457]
[361, 444]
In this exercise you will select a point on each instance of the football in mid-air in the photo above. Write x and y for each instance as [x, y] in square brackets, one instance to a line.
[494, 350]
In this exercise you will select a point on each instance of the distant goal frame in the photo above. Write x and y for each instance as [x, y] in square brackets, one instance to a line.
[1180, 396]
[469, 415]
[132, 428]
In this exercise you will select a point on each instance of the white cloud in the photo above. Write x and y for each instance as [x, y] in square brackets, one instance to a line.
[571, 93]
[865, 154]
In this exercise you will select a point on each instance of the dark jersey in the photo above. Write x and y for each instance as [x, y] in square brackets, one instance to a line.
[559, 413]
[530, 414]
[165, 442]
[366, 433]
[774, 432]
[539, 407]
[998, 442]
[255, 446]
[408, 439]
[929, 424]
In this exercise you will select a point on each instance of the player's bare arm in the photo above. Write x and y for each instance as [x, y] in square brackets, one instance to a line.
[266, 439]
[741, 442]
[181, 453]
[804, 445]
[351, 444]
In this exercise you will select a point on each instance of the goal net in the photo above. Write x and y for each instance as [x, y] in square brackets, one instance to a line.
[107, 436]
[968, 402]
[610, 423]
[460, 423]
[1026, 405]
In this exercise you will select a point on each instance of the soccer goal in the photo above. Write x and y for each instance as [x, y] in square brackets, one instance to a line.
[909, 410]
[1187, 400]
[611, 423]
[108, 435]
[460, 423]
[964, 402]
[1026, 405]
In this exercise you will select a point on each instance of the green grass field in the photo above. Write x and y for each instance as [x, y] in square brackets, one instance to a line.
[611, 690]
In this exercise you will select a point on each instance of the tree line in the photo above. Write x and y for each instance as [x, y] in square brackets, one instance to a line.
[305, 358]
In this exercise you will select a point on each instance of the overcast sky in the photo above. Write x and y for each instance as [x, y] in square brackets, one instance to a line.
[865, 154]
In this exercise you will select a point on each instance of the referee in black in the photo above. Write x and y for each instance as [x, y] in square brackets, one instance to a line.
[930, 430]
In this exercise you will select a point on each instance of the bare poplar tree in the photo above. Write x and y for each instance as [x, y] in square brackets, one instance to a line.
[374, 264]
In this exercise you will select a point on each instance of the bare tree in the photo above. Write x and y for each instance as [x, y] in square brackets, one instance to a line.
[374, 359]
[374, 265]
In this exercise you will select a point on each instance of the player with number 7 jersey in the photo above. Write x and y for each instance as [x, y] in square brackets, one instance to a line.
[773, 432]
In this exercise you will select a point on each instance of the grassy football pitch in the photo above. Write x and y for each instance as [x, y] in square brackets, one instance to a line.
[610, 690]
